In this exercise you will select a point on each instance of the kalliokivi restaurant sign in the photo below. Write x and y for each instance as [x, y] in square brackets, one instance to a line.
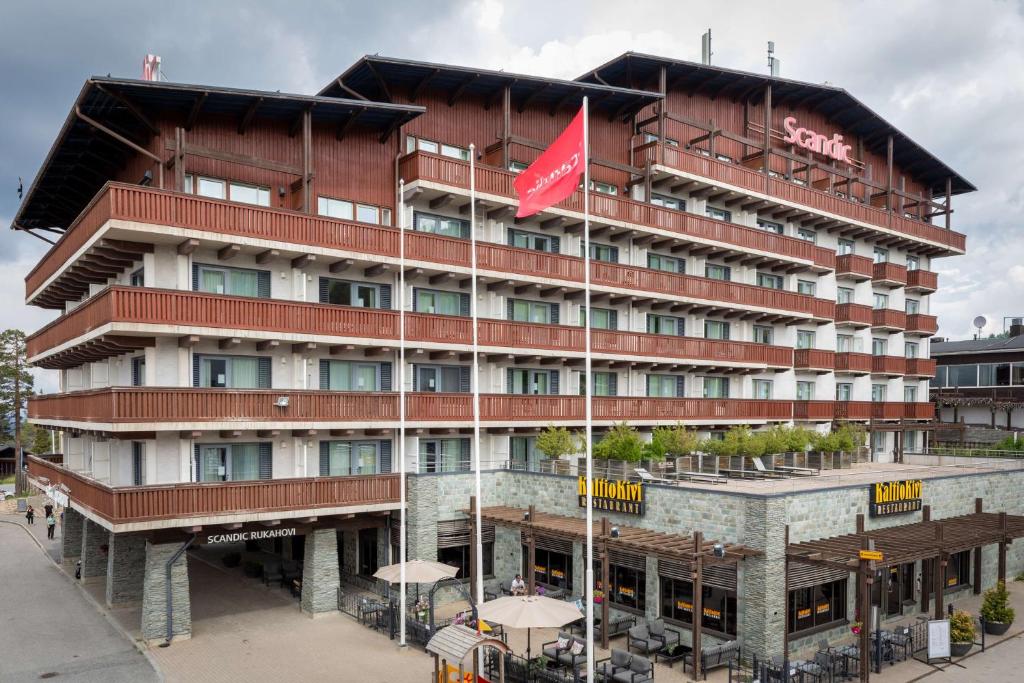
[626, 497]
[895, 497]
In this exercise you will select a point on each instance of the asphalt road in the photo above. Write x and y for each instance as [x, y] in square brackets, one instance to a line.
[48, 629]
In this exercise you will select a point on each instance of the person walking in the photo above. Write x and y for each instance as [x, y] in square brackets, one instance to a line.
[51, 523]
[48, 508]
[30, 515]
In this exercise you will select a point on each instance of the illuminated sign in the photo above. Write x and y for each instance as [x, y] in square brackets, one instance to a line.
[683, 605]
[613, 496]
[803, 613]
[712, 613]
[816, 142]
[254, 535]
[895, 497]
[823, 608]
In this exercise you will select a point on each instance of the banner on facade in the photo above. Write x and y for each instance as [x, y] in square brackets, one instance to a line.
[895, 497]
[609, 495]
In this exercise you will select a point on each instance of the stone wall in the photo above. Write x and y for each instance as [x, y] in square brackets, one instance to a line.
[95, 540]
[126, 569]
[320, 578]
[154, 593]
[71, 535]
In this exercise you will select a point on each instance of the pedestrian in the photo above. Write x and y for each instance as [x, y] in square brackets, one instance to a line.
[51, 522]
[518, 586]
[48, 508]
[30, 515]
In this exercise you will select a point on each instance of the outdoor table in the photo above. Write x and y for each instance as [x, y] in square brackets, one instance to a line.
[680, 653]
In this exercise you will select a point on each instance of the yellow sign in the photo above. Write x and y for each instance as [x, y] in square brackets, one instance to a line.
[803, 613]
[613, 496]
[875, 555]
[895, 497]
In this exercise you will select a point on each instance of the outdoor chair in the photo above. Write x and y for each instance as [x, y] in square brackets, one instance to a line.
[847, 653]
[902, 643]
[715, 656]
[667, 636]
[646, 476]
[639, 638]
[760, 467]
[272, 573]
[640, 669]
[606, 668]
[818, 670]
[556, 647]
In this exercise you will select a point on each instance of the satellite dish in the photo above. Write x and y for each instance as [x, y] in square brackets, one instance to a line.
[980, 322]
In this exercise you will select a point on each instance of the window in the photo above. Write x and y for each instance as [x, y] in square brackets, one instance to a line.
[344, 458]
[235, 281]
[665, 324]
[605, 384]
[440, 303]
[528, 381]
[805, 339]
[913, 262]
[763, 334]
[997, 375]
[912, 306]
[715, 329]
[601, 252]
[231, 372]
[444, 455]
[769, 226]
[881, 255]
[335, 208]
[344, 375]
[878, 393]
[366, 552]
[413, 143]
[718, 214]
[628, 583]
[458, 556]
[249, 194]
[844, 295]
[806, 287]
[910, 394]
[523, 452]
[807, 235]
[651, 137]
[770, 281]
[603, 188]
[668, 202]
[232, 462]
[719, 605]
[716, 272]
[763, 388]
[525, 311]
[210, 187]
[550, 568]
[517, 166]
[881, 301]
[940, 376]
[532, 240]
[367, 214]
[844, 391]
[666, 386]
[139, 371]
[958, 569]
[440, 225]
[603, 318]
[138, 463]
[879, 347]
[910, 349]
[358, 294]
[716, 387]
[444, 379]
[137, 278]
[805, 391]
[845, 247]
[816, 606]
[844, 343]
[966, 375]
[668, 264]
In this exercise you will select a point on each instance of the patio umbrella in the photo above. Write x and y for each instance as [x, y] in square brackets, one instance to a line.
[529, 611]
[417, 571]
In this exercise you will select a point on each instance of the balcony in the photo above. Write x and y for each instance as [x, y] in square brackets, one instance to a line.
[119, 310]
[122, 505]
[785, 190]
[854, 363]
[854, 315]
[853, 267]
[918, 411]
[889, 274]
[888, 365]
[814, 410]
[888, 319]
[878, 410]
[921, 324]
[853, 410]
[819, 360]
[920, 367]
[194, 408]
[922, 281]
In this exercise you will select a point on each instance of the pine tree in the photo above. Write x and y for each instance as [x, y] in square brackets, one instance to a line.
[16, 384]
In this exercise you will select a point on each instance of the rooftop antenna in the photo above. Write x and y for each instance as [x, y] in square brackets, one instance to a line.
[705, 48]
[980, 323]
[773, 61]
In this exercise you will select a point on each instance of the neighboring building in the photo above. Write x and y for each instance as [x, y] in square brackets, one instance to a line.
[228, 281]
[981, 381]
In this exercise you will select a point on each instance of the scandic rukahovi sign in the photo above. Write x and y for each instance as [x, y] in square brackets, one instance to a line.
[241, 536]
[895, 497]
[626, 497]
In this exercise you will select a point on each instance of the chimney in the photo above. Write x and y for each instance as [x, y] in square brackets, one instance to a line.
[1016, 327]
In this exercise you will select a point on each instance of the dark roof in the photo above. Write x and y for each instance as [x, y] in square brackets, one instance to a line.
[83, 159]
[638, 70]
[997, 345]
[377, 78]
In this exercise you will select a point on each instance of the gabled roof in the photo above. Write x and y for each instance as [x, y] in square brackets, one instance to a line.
[379, 78]
[82, 159]
[995, 345]
[633, 69]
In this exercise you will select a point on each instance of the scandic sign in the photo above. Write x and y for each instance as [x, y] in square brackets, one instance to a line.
[254, 535]
[613, 496]
[895, 497]
[816, 142]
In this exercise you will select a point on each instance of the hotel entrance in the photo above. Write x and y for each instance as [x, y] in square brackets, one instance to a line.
[893, 589]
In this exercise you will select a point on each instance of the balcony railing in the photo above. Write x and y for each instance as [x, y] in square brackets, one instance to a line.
[918, 411]
[889, 274]
[814, 359]
[125, 504]
[922, 281]
[888, 365]
[888, 319]
[854, 266]
[190, 405]
[919, 323]
[813, 410]
[883, 410]
[853, 314]
[921, 367]
[139, 305]
[850, 361]
[754, 181]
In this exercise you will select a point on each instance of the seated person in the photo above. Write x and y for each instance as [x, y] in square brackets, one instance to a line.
[518, 585]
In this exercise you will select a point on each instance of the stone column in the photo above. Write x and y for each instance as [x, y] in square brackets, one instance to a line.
[579, 568]
[154, 593]
[763, 590]
[126, 568]
[320, 578]
[71, 536]
[94, 551]
[421, 517]
[653, 605]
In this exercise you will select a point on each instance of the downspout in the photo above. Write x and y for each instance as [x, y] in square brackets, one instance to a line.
[170, 603]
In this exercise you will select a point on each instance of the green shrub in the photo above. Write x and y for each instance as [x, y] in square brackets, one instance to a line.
[961, 627]
[1010, 444]
[554, 442]
[995, 606]
[622, 442]
[671, 442]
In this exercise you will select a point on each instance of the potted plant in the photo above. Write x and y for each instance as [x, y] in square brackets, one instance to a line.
[855, 628]
[558, 442]
[961, 633]
[996, 610]
[622, 442]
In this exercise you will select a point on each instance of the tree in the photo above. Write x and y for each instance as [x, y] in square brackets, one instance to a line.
[15, 383]
[554, 442]
[671, 441]
[622, 442]
[36, 439]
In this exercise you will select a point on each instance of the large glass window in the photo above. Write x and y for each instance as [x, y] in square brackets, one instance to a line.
[910, 394]
[844, 343]
[605, 384]
[845, 247]
[525, 311]
[444, 455]
[668, 264]
[235, 281]
[881, 301]
[763, 389]
[844, 391]
[881, 255]
[807, 235]
[601, 252]
[763, 334]
[441, 225]
[805, 391]
[718, 214]
[532, 240]
[413, 143]
[770, 281]
[233, 372]
[913, 262]
[668, 202]
[529, 381]
[910, 349]
[958, 569]
[716, 329]
[878, 393]
[231, 462]
[717, 272]
[879, 347]
[458, 556]
[523, 452]
[816, 606]
[445, 379]
[343, 375]
[804, 339]
[345, 458]
[441, 303]
[250, 194]
[769, 226]
[806, 287]
[964, 375]
[335, 208]
[716, 387]
[603, 318]
[628, 585]
[211, 187]
[912, 306]
[994, 375]
[665, 386]
[719, 605]
[844, 295]
[550, 568]
[359, 294]
[665, 324]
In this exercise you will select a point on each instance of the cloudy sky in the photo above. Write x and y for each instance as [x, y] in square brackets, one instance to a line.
[949, 74]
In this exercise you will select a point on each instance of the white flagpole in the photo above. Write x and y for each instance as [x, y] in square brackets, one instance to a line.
[587, 379]
[479, 540]
[401, 412]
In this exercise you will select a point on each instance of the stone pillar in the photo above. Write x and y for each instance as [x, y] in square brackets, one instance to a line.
[763, 590]
[126, 568]
[320, 578]
[653, 606]
[421, 517]
[579, 569]
[94, 550]
[71, 536]
[154, 593]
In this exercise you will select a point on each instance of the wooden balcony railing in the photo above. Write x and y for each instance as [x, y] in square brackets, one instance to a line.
[813, 410]
[918, 411]
[888, 365]
[921, 367]
[854, 266]
[888, 318]
[814, 359]
[853, 410]
[163, 306]
[889, 273]
[851, 361]
[919, 323]
[922, 280]
[173, 405]
[853, 314]
[124, 504]
[888, 410]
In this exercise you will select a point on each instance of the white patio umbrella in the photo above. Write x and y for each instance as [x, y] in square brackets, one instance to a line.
[417, 571]
[529, 611]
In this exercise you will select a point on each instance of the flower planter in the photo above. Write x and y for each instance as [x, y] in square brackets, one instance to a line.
[816, 460]
[769, 461]
[960, 649]
[995, 628]
[685, 463]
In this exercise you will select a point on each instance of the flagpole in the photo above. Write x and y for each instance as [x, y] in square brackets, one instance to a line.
[478, 522]
[401, 413]
[588, 381]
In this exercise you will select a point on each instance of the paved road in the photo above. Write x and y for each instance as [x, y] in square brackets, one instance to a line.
[49, 627]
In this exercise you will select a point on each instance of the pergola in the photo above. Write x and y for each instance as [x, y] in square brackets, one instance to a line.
[928, 541]
[692, 550]
[452, 644]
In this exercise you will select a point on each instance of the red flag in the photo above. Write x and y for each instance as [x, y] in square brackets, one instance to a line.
[555, 174]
